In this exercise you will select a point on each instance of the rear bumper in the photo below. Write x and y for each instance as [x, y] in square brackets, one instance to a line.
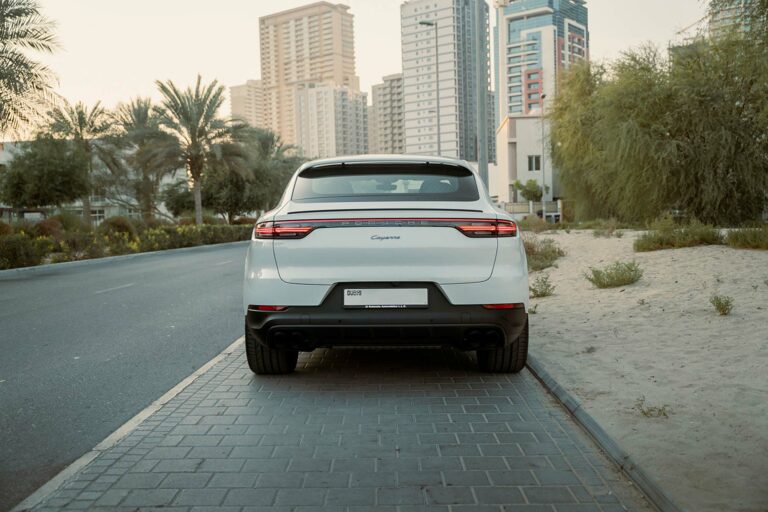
[331, 325]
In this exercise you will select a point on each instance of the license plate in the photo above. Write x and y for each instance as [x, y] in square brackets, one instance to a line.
[371, 298]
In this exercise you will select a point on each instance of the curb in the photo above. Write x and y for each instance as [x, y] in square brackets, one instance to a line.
[50, 267]
[621, 458]
[126, 428]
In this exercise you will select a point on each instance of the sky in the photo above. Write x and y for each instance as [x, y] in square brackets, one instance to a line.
[113, 50]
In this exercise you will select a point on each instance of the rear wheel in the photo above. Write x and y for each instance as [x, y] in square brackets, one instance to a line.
[268, 361]
[509, 359]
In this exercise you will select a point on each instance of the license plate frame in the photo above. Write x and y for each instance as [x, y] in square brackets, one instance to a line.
[386, 298]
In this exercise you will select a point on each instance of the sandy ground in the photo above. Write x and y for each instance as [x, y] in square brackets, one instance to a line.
[660, 340]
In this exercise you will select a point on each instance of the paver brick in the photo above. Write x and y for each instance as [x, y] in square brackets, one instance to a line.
[421, 432]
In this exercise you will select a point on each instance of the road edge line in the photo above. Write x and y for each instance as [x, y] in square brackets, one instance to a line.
[652, 490]
[126, 428]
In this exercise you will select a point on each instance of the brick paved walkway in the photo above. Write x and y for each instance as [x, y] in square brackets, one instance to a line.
[416, 430]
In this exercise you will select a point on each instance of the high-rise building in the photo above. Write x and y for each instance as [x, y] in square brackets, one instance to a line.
[247, 102]
[439, 55]
[728, 18]
[373, 136]
[309, 44]
[386, 120]
[534, 40]
[331, 120]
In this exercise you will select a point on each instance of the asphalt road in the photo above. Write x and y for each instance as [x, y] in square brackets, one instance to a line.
[84, 349]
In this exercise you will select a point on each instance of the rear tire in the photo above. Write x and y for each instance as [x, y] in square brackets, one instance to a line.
[509, 359]
[264, 360]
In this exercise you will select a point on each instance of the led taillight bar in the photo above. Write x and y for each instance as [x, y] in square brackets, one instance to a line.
[473, 228]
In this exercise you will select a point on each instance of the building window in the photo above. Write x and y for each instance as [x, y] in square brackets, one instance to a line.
[534, 163]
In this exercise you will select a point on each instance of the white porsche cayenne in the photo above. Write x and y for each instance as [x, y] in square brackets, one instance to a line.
[373, 251]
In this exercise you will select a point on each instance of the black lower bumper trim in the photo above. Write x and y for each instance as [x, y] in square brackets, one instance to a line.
[333, 325]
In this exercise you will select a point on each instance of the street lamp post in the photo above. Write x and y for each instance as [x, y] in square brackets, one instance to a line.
[433, 23]
[543, 175]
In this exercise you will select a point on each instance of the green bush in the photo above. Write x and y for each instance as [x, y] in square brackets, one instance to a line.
[665, 233]
[722, 303]
[541, 254]
[21, 250]
[114, 225]
[70, 222]
[541, 287]
[617, 274]
[748, 238]
[48, 227]
[250, 221]
[5, 228]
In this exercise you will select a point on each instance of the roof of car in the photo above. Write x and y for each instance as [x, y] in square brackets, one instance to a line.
[385, 159]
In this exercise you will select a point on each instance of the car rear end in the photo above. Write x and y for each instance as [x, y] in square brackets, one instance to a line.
[400, 251]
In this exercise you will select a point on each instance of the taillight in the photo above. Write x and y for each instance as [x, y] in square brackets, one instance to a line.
[486, 229]
[473, 228]
[503, 306]
[268, 308]
[271, 230]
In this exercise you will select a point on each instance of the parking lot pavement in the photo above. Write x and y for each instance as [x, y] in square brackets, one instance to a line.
[354, 430]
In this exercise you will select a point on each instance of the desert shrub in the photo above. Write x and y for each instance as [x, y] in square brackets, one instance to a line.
[48, 227]
[607, 230]
[620, 273]
[534, 223]
[541, 253]
[665, 233]
[748, 238]
[722, 303]
[541, 287]
[5, 228]
[21, 250]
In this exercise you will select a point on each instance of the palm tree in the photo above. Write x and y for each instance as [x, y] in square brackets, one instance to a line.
[25, 85]
[127, 156]
[83, 125]
[199, 135]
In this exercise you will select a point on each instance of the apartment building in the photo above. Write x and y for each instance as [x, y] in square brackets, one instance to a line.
[331, 120]
[309, 44]
[247, 102]
[439, 76]
[534, 41]
[386, 122]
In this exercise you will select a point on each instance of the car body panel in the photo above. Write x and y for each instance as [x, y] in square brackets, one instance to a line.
[467, 272]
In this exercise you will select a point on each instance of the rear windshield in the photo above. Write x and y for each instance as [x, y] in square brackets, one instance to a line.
[401, 182]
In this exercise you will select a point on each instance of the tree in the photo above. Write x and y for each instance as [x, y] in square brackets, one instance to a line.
[82, 125]
[230, 191]
[25, 85]
[531, 191]
[657, 134]
[133, 178]
[48, 172]
[199, 136]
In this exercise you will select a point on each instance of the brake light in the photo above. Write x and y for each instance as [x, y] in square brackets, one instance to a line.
[270, 230]
[482, 229]
[269, 308]
[503, 306]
